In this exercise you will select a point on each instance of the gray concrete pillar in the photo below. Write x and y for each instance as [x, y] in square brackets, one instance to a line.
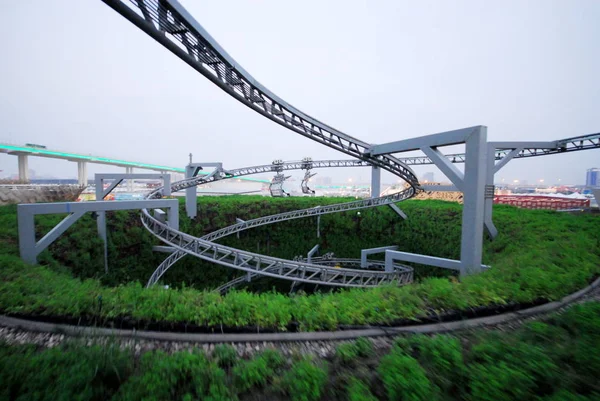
[473, 207]
[129, 170]
[101, 221]
[489, 191]
[191, 202]
[23, 167]
[375, 182]
[82, 173]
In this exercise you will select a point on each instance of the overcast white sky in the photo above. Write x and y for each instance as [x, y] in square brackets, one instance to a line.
[77, 76]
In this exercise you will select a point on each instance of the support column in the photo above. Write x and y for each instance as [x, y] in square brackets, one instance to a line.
[375, 182]
[311, 253]
[23, 167]
[101, 220]
[473, 207]
[490, 228]
[191, 202]
[82, 173]
[129, 170]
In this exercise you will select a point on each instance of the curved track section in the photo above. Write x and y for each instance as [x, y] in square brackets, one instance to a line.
[265, 265]
[169, 23]
[406, 278]
[172, 26]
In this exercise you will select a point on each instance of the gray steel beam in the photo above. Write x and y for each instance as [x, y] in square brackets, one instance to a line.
[375, 182]
[440, 188]
[446, 166]
[473, 202]
[505, 158]
[398, 211]
[191, 195]
[391, 256]
[310, 253]
[596, 193]
[524, 144]
[489, 197]
[370, 251]
[29, 248]
[163, 249]
[441, 139]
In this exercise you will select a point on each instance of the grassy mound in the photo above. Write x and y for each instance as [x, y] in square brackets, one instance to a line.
[539, 255]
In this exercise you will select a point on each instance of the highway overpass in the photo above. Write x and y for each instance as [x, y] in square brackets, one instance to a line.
[23, 152]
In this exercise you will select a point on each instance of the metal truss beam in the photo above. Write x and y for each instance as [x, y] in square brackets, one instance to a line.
[29, 248]
[442, 139]
[310, 253]
[392, 256]
[371, 251]
[525, 149]
[172, 26]
[398, 211]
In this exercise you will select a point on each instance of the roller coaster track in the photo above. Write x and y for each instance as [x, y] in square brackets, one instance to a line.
[205, 248]
[377, 265]
[172, 26]
[169, 23]
[577, 143]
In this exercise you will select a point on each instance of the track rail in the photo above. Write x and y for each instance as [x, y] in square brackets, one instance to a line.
[266, 265]
[169, 23]
[407, 277]
[574, 144]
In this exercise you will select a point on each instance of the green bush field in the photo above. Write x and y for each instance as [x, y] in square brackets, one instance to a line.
[557, 359]
[538, 256]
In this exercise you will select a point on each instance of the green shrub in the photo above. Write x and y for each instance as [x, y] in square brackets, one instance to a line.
[257, 371]
[565, 395]
[178, 376]
[441, 356]
[346, 352]
[359, 391]
[403, 378]
[500, 382]
[225, 355]
[62, 373]
[364, 347]
[528, 363]
[305, 381]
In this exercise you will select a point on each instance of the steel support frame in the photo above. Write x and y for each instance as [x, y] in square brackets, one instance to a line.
[370, 251]
[391, 256]
[102, 193]
[311, 253]
[398, 211]
[375, 182]
[471, 182]
[191, 193]
[29, 248]
[596, 193]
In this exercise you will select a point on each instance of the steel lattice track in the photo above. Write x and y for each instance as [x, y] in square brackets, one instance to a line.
[266, 265]
[172, 26]
[407, 277]
[583, 142]
[188, 244]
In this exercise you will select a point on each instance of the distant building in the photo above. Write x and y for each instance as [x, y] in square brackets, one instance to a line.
[428, 177]
[592, 177]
